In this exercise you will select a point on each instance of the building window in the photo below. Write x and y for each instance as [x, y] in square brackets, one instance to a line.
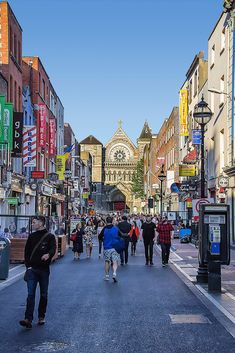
[190, 92]
[19, 100]
[15, 96]
[43, 89]
[212, 102]
[221, 150]
[19, 53]
[39, 82]
[15, 47]
[212, 56]
[195, 83]
[222, 90]
[211, 159]
[222, 41]
[11, 41]
[11, 89]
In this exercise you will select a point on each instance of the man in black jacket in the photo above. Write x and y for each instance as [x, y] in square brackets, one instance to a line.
[148, 234]
[124, 228]
[39, 250]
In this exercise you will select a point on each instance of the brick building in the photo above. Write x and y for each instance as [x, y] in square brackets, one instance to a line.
[44, 100]
[11, 54]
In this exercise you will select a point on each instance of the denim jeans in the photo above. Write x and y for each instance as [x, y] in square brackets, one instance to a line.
[42, 277]
[165, 252]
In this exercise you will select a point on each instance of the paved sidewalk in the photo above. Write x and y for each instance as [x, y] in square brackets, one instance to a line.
[185, 258]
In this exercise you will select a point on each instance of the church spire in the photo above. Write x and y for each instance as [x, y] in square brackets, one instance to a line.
[146, 132]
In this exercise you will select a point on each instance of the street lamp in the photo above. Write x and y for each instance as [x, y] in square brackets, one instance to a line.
[202, 115]
[67, 175]
[161, 177]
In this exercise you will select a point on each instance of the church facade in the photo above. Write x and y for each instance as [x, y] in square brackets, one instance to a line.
[120, 160]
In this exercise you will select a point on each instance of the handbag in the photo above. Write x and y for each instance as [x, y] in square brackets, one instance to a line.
[73, 237]
[28, 270]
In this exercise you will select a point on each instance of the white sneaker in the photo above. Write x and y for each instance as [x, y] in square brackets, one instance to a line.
[106, 278]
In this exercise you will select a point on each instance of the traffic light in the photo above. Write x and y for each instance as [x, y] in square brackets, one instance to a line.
[150, 202]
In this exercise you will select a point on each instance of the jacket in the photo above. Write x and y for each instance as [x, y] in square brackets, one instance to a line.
[108, 234]
[137, 231]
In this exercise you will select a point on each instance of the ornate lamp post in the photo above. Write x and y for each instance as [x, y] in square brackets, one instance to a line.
[202, 115]
[161, 177]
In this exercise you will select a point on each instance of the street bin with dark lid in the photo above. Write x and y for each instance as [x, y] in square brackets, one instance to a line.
[4, 257]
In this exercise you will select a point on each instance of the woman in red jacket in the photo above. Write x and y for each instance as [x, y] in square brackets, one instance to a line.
[134, 234]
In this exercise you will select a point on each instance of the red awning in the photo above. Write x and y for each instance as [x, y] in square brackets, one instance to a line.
[191, 157]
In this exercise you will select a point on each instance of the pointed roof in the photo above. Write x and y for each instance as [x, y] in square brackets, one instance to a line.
[146, 132]
[120, 134]
[90, 140]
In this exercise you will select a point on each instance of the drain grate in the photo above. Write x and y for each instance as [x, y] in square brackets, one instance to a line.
[45, 347]
[189, 319]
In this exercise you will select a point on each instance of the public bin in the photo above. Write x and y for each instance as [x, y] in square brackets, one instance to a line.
[4, 257]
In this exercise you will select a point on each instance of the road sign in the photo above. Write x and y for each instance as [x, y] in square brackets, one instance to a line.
[196, 205]
[196, 137]
[223, 181]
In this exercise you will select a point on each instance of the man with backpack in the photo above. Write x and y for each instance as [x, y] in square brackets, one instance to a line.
[39, 250]
[113, 244]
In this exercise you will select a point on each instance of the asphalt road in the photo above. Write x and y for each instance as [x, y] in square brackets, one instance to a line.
[88, 315]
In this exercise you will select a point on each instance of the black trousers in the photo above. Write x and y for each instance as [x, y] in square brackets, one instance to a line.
[165, 252]
[133, 247]
[100, 246]
[148, 246]
[124, 254]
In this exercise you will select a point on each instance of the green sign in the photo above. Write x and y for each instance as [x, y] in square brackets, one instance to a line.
[12, 200]
[8, 125]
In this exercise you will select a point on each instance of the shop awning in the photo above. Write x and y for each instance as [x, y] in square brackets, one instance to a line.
[191, 157]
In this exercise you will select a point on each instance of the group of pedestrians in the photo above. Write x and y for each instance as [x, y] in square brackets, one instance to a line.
[114, 236]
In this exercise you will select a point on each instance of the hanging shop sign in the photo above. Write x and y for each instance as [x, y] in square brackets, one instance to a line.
[12, 200]
[187, 170]
[6, 130]
[37, 174]
[52, 136]
[223, 181]
[17, 134]
[42, 125]
[183, 111]
[60, 166]
[29, 145]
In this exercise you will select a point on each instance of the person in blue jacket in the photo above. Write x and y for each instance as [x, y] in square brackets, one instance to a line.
[109, 234]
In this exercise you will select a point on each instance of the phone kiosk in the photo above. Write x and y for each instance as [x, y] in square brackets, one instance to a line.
[214, 241]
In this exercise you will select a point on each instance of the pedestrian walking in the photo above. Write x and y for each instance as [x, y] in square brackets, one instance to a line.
[166, 233]
[88, 236]
[99, 229]
[148, 235]
[39, 250]
[110, 235]
[77, 235]
[124, 228]
[134, 235]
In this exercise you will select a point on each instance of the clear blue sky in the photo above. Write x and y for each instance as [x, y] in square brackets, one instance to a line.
[116, 59]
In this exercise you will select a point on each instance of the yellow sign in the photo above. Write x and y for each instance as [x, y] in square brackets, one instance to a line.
[60, 165]
[85, 195]
[187, 170]
[183, 112]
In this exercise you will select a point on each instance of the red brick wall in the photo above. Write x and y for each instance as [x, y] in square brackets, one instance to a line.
[11, 54]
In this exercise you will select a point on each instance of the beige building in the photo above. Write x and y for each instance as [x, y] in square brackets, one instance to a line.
[121, 157]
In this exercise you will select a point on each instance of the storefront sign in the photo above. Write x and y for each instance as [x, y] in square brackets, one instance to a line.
[187, 170]
[12, 200]
[183, 111]
[17, 134]
[52, 136]
[42, 125]
[29, 145]
[2, 105]
[38, 174]
[60, 166]
[47, 190]
[85, 195]
[7, 125]
[16, 184]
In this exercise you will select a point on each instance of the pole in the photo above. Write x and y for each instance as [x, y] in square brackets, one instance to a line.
[202, 273]
[202, 163]
[161, 197]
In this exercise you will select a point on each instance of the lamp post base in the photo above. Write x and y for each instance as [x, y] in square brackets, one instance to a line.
[202, 274]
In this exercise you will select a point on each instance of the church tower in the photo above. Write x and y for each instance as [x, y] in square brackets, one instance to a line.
[144, 139]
